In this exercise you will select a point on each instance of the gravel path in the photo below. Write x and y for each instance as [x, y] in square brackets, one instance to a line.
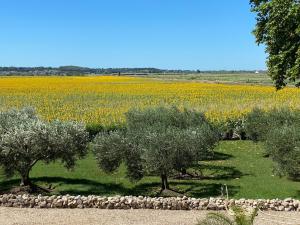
[16, 216]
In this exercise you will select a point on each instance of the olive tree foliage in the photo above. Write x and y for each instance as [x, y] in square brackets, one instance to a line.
[283, 145]
[111, 149]
[258, 123]
[278, 28]
[25, 139]
[279, 131]
[157, 141]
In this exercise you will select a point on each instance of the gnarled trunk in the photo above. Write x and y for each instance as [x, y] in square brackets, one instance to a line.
[25, 181]
[183, 171]
[164, 182]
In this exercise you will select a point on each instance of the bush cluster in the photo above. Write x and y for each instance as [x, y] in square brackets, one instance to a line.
[279, 130]
[259, 123]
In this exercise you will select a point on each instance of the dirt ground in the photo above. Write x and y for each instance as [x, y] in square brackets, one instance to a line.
[16, 216]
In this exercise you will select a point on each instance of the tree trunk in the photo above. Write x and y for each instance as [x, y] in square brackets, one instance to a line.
[183, 171]
[164, 182]
[25, 181]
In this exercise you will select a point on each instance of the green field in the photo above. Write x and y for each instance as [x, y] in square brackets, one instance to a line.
[240, 165]
[238, 78]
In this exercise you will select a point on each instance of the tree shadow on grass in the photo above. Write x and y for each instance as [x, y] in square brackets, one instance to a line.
[7, 184]
[189, 188]
[209, 171]
[84, 186]
[89, 187]
[215, 172]
[297, 195]
[75, 186]
[202, 190]
[217, 156]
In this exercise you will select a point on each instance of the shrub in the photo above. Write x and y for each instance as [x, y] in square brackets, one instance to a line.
[259, 123]
[240, 217]
[256, 125]
[157, 141]
[279, 129]
[233, 129]
[283, 145]
[162, 118]
[110, 149]
[94, 128]
[25, 139]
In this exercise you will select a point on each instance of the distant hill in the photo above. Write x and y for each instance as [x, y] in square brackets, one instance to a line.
[77, 70]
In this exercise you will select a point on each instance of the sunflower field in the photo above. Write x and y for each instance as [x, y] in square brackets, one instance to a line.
[104, 99]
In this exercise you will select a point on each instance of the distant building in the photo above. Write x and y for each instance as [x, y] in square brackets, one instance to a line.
[257, 72]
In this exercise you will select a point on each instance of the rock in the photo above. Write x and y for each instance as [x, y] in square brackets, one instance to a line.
[58, 204]
[272, 206]
[212, 206]
[221, 207]
[288, 209]
[43, 204]
[288, 200]
[285, 204]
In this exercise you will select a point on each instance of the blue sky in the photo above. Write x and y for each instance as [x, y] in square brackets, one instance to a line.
[170, 34]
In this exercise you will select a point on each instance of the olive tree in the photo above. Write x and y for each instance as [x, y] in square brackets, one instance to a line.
[279, 131]
[157, 141]
[278, 28]
[25, 139]
[258, 123]
[283, 145]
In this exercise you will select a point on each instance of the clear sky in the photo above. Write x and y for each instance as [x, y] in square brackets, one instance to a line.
[169, 34]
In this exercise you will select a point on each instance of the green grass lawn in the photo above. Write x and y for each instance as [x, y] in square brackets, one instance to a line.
[238, 164]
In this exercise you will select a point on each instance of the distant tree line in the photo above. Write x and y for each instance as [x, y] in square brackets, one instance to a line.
[76, 70]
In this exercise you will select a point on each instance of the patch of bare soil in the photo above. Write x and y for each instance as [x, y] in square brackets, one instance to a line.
[15, 216]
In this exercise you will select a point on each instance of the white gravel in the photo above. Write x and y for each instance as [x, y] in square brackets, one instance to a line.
[17, 216]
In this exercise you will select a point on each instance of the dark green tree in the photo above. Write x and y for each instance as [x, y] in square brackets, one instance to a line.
[278, 28]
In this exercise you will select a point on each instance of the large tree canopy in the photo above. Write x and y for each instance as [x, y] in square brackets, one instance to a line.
[25, 139]
[278, 27]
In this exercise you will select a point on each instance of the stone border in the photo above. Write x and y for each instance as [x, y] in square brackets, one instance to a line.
[140, 202]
